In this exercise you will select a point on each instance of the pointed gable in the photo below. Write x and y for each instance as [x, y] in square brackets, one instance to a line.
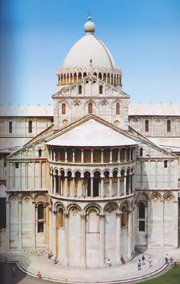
[91, 133]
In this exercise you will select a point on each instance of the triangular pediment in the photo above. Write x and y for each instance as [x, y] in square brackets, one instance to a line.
[91, 85]
[91, 131]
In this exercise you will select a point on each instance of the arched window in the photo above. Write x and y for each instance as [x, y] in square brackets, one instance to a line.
[141, 152]
[10, 126]
[40, 218]
[168, 126]
[30, 126]
[141, 216]
[60, 218]
[124, 217]
[63, 108]
[39, 152]
[100, 89]
[117, 108]
[146, 125]
[80, 89]
[90, 108]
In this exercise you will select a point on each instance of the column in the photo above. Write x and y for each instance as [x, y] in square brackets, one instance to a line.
[162, 222]
[8, 224]
[20, 224]
[91, 186]
[26, 175]
[102, 155]
[34, 224]
[33, 174]
[54, 177]
[110, 155]
[129, 233]
[124, 185]
[65, 150]
[51, 188]
[82, 156]
[54, 232]
[19, 176]
[82, 187]
[74, 193]
[83, 240]
[102, 187]
[118, 186]
[92, 155]
[110, 186]
[125, 154]
[50, 229]
[59, 185]
[66, 243]
[149, 223]
[40, 174]
[118, 236]
[119, 155]
[73, 156]
[102, 239]
[66, 186]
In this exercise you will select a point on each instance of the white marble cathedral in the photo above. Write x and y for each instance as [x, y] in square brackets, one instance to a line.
[90, 180]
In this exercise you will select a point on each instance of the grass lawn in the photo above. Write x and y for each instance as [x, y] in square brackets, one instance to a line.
[172, 277]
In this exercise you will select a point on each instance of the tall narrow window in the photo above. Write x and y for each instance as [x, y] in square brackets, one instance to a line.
[80, 89]
[142, 217]
[146, 125]
[117, 108]
[141, 152]
[63, 108]
[165, 164]
[40, 218]
[168, 126]
[3, 213]
[100, 89]
[90, 107]
[10, 126]
[40, 152]
[30, 126]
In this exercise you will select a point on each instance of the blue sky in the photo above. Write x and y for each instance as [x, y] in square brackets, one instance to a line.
[142, 35]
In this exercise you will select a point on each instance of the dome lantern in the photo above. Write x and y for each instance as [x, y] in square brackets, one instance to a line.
[89, 27]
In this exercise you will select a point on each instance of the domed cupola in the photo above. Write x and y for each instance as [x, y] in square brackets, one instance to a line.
[89, 55]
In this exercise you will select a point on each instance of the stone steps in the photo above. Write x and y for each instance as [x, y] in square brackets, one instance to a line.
[31, 270]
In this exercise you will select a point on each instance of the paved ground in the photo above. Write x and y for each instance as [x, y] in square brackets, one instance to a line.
[117, 274]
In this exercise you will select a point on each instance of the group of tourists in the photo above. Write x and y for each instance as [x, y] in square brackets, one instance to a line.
[142, 262]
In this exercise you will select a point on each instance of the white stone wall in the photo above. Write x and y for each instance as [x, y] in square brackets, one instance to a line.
[157, 125]
[20, 126]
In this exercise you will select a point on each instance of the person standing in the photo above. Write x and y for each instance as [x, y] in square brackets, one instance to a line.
[171, 261]
[150, 262]
[166, 259]
[143, 259]
[139, 264]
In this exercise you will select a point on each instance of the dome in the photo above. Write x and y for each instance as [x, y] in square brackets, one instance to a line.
[87, 48]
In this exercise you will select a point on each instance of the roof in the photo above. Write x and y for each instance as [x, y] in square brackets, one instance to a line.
[172, 143]
[10, 144]
[154, 109]
[91, 133]
[27, 111]
[87, 48]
